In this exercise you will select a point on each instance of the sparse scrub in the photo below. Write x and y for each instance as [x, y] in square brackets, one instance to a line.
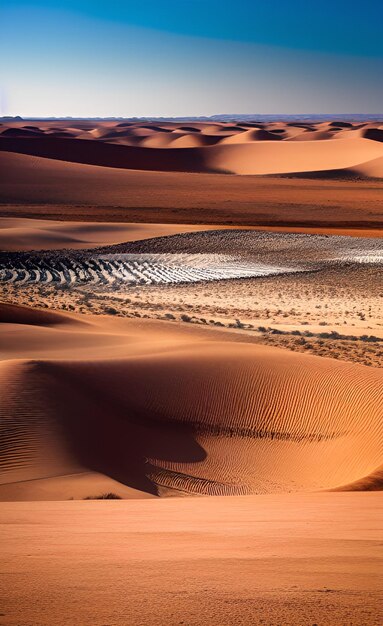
[110, 310]
[104, 496]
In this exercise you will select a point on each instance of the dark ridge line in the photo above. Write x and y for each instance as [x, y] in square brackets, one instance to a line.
[98, 212]
[249, 433]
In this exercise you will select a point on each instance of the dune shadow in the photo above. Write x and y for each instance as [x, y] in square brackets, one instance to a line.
[109, 436]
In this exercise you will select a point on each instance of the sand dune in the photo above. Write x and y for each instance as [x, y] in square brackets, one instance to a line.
[282, 158]
[29, 234]
[259, 157]
[372, 482]
[372, 169]
[195, 140]
[245, 149]
[115, 397]
[251, 135]
[314, 135]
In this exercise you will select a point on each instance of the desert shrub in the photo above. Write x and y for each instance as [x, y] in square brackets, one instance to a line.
[239, 324]
[369, 338]
[110, 310]
[185, 318]
[104, 496]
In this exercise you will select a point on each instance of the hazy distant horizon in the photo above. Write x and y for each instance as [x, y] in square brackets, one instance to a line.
[218, 117]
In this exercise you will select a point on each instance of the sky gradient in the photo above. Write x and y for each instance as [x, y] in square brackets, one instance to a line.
[190, 57]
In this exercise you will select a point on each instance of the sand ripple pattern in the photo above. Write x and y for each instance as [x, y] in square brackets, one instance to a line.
[192, 257]
[147, 269]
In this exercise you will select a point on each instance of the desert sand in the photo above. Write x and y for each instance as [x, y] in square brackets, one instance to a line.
[321, 176]
[150, 346]
[264, 560]
[35, 234]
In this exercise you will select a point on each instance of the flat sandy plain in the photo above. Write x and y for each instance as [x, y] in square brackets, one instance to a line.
[288, 560]
[153, 347]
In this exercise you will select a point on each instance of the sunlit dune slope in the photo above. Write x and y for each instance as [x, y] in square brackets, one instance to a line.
[372, 169]
[165, 409]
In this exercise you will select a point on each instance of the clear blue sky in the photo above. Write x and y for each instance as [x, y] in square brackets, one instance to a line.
[190, 57]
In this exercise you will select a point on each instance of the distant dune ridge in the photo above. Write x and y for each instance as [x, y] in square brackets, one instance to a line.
[168, 410]
[353, 149]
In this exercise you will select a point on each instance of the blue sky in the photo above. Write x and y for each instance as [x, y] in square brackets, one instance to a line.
[190, 57]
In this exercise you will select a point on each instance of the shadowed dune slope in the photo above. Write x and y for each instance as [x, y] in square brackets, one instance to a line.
[371, 169]
[166, 410]
[372, 482]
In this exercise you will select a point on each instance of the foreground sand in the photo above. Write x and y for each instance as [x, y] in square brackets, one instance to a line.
[291, 560]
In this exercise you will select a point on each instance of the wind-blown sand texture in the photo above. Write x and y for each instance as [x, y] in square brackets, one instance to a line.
[260, 560]
[166, 410]
[208, 255]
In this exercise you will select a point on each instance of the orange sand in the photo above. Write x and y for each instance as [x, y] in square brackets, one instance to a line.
[167, 409]
[261, 560]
